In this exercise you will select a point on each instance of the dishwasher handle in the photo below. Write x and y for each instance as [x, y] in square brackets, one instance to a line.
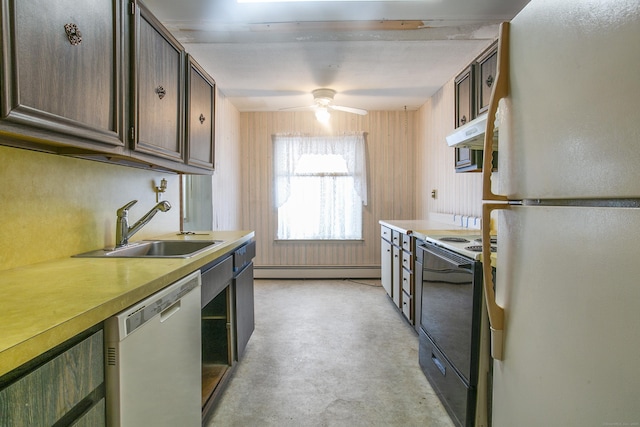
[161, 303]
[173, 309]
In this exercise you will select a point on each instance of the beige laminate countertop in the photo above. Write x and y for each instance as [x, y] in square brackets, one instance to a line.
[43, 305]
[422, 227]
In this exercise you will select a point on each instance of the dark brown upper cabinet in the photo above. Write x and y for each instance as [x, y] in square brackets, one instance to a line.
[473, 88]
[200, 131]
[487, 67]
[464, 96]
[465, 158]
[157, 89]
[62, 78]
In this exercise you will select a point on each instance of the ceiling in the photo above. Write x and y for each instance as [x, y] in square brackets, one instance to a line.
[377, 55]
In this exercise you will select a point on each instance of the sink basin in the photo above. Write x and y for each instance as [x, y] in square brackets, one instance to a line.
[155, 249]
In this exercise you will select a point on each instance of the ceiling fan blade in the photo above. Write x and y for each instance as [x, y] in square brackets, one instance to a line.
[349, 109]
[301, 108]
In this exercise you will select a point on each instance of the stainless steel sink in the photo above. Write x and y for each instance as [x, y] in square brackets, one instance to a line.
[155, 249]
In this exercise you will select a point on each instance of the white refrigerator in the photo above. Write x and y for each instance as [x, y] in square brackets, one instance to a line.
[565, 199]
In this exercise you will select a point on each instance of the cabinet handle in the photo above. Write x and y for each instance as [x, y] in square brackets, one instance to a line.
[489, 81]
[202, 118]
[463, 120]
[73, 34]
[161, 92]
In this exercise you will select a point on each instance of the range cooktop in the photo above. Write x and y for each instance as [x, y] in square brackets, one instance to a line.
[468, 245]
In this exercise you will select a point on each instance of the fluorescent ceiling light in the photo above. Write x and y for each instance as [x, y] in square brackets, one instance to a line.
[307, 1]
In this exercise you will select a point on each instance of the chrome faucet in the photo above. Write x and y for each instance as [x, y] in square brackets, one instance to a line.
[123, 231]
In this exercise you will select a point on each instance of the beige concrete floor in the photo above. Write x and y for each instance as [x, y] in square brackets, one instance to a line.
[328, 353]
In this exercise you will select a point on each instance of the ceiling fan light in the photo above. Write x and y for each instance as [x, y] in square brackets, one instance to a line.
[323, 115]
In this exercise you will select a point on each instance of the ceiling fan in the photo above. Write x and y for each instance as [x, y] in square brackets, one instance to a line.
[323, 104]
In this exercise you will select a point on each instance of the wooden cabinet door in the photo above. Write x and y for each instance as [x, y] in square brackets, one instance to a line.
[60, 391]
[487, 68]
[61, 72]
[464, 90]
[200, 116]
[464, 113]
[386, 266]
[245, 320]
[396, 280]
[157, 82]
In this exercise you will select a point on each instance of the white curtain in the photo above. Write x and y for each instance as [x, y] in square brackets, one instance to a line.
[320, 186]
[288, 149]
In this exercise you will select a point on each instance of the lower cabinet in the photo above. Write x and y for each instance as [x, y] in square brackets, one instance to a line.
[396, 280]
[396, 269]
[63, 388]
[227, 320]
[245, 322]
[386, 266]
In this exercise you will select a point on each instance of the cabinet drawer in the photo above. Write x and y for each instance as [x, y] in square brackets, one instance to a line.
[215, 279]
[385, 233]
[407, 277]
[243, 256]
[45, 395]
[395, 238]
[407, 304]
[407, 260]
[406, 243]
[457, 397]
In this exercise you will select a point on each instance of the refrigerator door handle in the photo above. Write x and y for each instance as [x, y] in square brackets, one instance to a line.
[500, 90]
[496, 313]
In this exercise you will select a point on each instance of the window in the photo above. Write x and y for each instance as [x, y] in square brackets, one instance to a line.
[320, 187]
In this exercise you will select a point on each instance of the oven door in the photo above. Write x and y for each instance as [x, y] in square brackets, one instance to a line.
[450, 306]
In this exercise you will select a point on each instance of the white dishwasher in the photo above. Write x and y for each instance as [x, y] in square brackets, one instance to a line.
[153, 357]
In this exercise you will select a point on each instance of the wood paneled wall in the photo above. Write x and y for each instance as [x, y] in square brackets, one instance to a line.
[391, 148]
[457, 193]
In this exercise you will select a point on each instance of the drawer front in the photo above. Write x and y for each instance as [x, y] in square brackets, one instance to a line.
[215, 280]
[46, 394]
[456, 396]
[407, 260]
[385, 233]
[243, 256]
[395, 238]
[407, 277]
[407, 304]
[406, 243]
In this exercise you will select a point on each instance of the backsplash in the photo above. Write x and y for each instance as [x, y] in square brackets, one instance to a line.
[53, 206]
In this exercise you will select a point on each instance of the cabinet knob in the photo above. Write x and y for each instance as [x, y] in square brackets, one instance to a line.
[463, 120]
[202, 118]
[489, 81]
[73, 34]
[161, 92]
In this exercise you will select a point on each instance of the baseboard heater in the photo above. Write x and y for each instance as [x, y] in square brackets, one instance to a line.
[316, 272]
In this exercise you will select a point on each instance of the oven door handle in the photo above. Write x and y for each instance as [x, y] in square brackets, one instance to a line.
[466, 265]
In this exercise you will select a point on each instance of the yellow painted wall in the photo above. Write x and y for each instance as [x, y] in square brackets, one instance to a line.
[53, 206]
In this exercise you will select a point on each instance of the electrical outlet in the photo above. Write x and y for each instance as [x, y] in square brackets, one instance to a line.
[434, 194]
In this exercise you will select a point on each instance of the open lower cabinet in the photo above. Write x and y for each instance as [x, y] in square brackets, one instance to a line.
[227, 320]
